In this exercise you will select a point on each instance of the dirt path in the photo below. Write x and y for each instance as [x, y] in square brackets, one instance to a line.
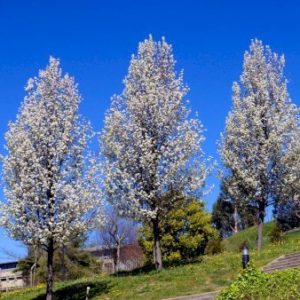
[205, 296]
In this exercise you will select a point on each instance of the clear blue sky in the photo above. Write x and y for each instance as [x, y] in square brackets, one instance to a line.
[94, 40]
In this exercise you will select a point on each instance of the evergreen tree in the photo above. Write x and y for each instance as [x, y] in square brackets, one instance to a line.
[287, 214]
[185, 232]
[231, 215]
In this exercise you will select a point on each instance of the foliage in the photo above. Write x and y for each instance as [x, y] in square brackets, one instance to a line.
[230, 215]
[76, 263]
[184, 231]
[255, 284]
[214, 246]
[276, 235]
[287, 214]
[257, 146]
[24, 265]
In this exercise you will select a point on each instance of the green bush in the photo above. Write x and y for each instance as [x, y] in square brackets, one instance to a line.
[184, 232]
[77, 263]
[213, 247]
[276, 235]
[254, 284]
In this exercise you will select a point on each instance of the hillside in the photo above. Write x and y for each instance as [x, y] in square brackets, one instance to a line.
[212, 273]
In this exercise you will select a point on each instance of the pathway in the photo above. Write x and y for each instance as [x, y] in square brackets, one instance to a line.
[205, 296]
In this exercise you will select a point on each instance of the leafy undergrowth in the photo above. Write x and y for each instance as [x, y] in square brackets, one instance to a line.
[258, 285]
[209, 274]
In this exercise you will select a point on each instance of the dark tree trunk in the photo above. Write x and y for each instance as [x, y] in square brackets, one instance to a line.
[154, 254]
[156, 246]
[261, 217]
[50, 275]
[63, 268]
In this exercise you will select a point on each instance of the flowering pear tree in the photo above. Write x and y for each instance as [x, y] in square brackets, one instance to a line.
[287, 191]
[50, 184]
[152, 149]
[259, 131]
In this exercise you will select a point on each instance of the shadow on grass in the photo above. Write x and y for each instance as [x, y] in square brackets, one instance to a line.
[151, 268]
[77, 291]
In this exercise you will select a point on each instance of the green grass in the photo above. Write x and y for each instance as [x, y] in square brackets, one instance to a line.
[233, 242]
[212, 273]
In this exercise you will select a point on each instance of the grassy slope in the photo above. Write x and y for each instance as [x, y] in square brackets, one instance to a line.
[211, 274]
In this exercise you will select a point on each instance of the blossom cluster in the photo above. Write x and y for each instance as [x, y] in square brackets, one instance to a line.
[151, 147]
[51, 183]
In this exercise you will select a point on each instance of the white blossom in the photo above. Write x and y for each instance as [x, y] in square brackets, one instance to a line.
[150, 145]
[152, 149]
[51, 185]
[259, 129]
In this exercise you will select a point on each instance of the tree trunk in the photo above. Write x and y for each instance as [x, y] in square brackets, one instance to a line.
[154, 254]
[33, 268]
[235, 216]
[261, 217]
[50, 250]
[118, 256]
[63, 269]
[156, 247]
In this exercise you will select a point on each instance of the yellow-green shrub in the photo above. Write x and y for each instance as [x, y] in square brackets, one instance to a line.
[258, 285]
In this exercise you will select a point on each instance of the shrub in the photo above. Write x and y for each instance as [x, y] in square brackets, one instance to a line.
[77, 262]
[287, 214]
[255, 284]
[276, 235]
[213, 247]
[184, 232]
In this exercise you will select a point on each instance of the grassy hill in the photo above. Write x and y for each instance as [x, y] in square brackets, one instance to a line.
[209, 274]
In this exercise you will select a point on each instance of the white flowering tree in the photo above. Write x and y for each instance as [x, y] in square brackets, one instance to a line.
[259, 130]
[288, 174]
[152, 149]
[50, 187]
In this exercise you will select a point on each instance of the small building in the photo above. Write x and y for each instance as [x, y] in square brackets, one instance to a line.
[9, 277]
[131, 257]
